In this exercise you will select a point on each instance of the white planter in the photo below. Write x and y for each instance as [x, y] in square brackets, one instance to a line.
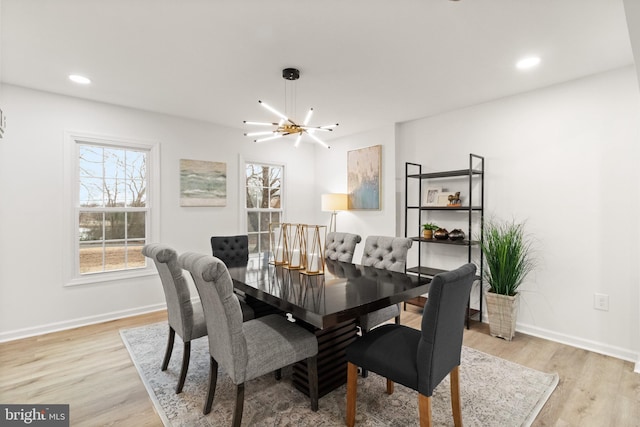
[503, 313]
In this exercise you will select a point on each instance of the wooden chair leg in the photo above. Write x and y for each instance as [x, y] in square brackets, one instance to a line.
[167, 353]
[352, 391]
[213, 379]
[389, 386]
[424, 407]
[237, 413]
[456, 407]
[312, 375]
[186, 355]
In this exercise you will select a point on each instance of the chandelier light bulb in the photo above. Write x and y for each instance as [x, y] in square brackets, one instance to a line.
[268, 132]
[269, 138]
[260, 123]
[273, 110]
[308, 117]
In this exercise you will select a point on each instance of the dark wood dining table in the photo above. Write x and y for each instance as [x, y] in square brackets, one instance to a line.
[328, 305]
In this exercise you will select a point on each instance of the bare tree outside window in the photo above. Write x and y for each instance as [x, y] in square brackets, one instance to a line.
[264, 204]
[113, 212]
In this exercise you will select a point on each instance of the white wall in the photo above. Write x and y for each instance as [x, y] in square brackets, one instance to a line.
[565, 159]
[632, 11]
[331, 177]
[33, 213]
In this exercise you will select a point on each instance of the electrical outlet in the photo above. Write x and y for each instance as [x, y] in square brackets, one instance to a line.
[601, 302]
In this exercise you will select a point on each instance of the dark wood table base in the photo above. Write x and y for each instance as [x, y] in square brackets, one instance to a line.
[332, 365]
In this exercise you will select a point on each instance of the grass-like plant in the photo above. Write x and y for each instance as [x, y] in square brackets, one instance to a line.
[430, 226]
[507, 254]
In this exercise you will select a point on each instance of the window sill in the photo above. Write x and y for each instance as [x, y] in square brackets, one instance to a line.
[115, 276]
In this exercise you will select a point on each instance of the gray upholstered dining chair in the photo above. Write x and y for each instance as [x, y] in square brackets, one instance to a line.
[418, 359]
[341, 246]
[232, 250]
[184, 317]
[250, 349]
[388, 253]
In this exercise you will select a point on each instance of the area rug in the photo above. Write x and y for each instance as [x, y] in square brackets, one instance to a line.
[494, 392]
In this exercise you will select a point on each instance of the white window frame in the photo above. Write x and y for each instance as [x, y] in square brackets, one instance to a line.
[72, 141]
[243, 199]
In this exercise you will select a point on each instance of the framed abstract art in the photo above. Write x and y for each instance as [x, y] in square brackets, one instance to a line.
[363, 177]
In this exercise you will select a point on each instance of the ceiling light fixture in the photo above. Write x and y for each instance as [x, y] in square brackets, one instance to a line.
[286, 125]
[527, 63]
[76, 78]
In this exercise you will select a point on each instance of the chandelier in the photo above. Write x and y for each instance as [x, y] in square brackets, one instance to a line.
[287, 126]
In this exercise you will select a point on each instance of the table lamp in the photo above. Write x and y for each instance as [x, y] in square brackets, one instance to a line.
[333, 203]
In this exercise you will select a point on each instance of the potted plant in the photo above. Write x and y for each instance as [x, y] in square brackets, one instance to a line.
[428, 229]
[508, 259]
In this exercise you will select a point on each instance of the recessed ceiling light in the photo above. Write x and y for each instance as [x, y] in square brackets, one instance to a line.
[529, 62]
[79, 79]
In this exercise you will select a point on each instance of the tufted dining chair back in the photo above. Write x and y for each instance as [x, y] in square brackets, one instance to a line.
[341, 246]
[232, 250]
[385, 252]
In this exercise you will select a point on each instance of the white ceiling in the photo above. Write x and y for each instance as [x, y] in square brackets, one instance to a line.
[363, 63]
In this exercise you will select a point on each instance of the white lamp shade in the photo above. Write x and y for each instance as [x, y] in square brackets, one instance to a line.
[335, 202]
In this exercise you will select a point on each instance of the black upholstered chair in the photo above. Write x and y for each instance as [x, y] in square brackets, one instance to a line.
[232, 250]
[250, 349]
[417, 359]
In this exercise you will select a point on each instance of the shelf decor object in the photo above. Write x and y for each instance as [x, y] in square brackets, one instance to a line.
[279, 244]
[286, 125]
[431, 196]
[454, 200]
[426, 200]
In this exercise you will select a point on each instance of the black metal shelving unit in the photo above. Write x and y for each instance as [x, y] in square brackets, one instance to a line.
[473, 173]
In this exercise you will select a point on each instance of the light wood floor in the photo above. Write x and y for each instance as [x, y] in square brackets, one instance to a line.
[90, 369]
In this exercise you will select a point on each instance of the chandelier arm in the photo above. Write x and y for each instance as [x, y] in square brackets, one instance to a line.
[247, 122]
[314, 128]
[318, 140]
[268, 138]
[274, 111]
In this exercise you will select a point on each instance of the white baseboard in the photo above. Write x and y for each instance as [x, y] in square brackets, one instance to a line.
[75, 323]
[597, 347]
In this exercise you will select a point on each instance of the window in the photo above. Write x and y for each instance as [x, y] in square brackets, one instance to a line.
[112, 207]
[264, 205]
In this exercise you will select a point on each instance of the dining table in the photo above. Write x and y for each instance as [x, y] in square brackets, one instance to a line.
[327, 304]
